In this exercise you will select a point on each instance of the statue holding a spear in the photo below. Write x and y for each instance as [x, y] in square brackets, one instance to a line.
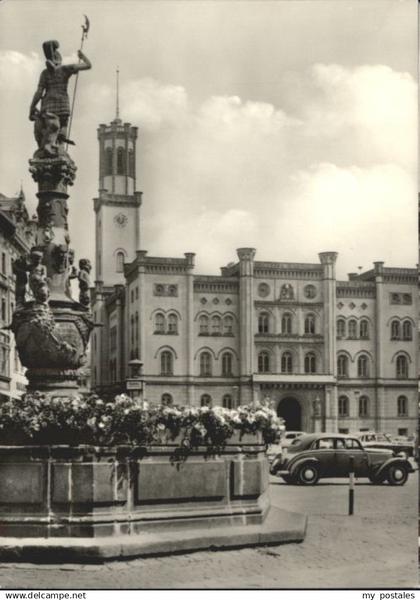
[52, 120]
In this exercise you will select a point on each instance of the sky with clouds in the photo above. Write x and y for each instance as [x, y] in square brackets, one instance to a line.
[290, 126]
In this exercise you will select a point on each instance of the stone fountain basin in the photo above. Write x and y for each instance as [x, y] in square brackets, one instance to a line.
[64, 503]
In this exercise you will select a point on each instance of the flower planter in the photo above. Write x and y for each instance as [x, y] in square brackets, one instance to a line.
[97, 502]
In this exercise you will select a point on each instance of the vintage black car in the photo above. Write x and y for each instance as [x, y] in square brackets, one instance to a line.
[319, 455]
[372, 439]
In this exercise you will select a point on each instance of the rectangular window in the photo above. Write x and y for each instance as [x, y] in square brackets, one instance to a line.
[3, 263]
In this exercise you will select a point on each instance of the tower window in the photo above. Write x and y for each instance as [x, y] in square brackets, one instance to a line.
[120, 161]
[108, 161]
[131, 165]
[120, 262]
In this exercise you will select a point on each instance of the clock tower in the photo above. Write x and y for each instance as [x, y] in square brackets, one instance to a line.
[117, 207]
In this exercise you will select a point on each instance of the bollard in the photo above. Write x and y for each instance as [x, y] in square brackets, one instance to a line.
[351, 486]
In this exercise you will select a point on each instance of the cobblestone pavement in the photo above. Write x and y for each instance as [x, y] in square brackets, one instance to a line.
[376, 547]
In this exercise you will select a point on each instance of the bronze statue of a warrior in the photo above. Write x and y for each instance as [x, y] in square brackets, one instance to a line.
[53, 94]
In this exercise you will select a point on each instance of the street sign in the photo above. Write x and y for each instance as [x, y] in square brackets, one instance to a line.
[134, 384]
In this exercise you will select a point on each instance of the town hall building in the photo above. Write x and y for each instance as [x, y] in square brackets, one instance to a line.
[331, 355]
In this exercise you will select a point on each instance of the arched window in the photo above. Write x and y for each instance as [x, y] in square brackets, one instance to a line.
[166, 363]
[364, 406]
[352, 329]
[395, 330]
[205, 364]
[204, 325]
[159, 323]
[228, 325]
[131, 165]
[402, 367]
[310, 324]
[216, 325]
[286, 324]
[407, 331]
[363, 366]
[206, 400]
[263, 362]
[402, 406]
[286, 362]
[227, 362]
[343, 406]
[342, 366]
[310, 363]
[341, 328]
[120, 161]
[364, 329]
[227, 401]
[172, 324]
[120, 262]
[166, 400]
[263, 322]
[108, 161]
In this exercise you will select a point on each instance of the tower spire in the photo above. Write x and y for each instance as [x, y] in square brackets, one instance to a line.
[117, 112]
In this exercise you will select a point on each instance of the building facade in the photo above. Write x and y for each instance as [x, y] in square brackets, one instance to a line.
[331, 355]
[16, 239]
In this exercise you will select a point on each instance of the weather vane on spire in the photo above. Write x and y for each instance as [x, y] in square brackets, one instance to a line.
[117, 112]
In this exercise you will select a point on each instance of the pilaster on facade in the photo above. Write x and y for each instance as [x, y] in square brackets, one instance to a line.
[189, 256]
[246, 310]
[379, 318]
[328, 260]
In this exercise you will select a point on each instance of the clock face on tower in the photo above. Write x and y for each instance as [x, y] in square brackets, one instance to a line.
[120, 220]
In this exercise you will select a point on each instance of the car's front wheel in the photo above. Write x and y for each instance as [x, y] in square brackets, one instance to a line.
[376, 479]
[308, 474]
[397, 475]
[288, 478]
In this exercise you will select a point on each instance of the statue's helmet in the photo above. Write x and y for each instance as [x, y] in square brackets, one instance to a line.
[51, 52]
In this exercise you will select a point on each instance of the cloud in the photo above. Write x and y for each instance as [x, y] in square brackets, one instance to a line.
[17, 68]
[330, 166]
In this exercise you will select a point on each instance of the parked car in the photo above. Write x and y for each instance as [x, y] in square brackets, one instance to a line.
[319, 455]
[400, 446]
[289, 436]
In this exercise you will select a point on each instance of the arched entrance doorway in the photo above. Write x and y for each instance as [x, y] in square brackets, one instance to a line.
[289, 409]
